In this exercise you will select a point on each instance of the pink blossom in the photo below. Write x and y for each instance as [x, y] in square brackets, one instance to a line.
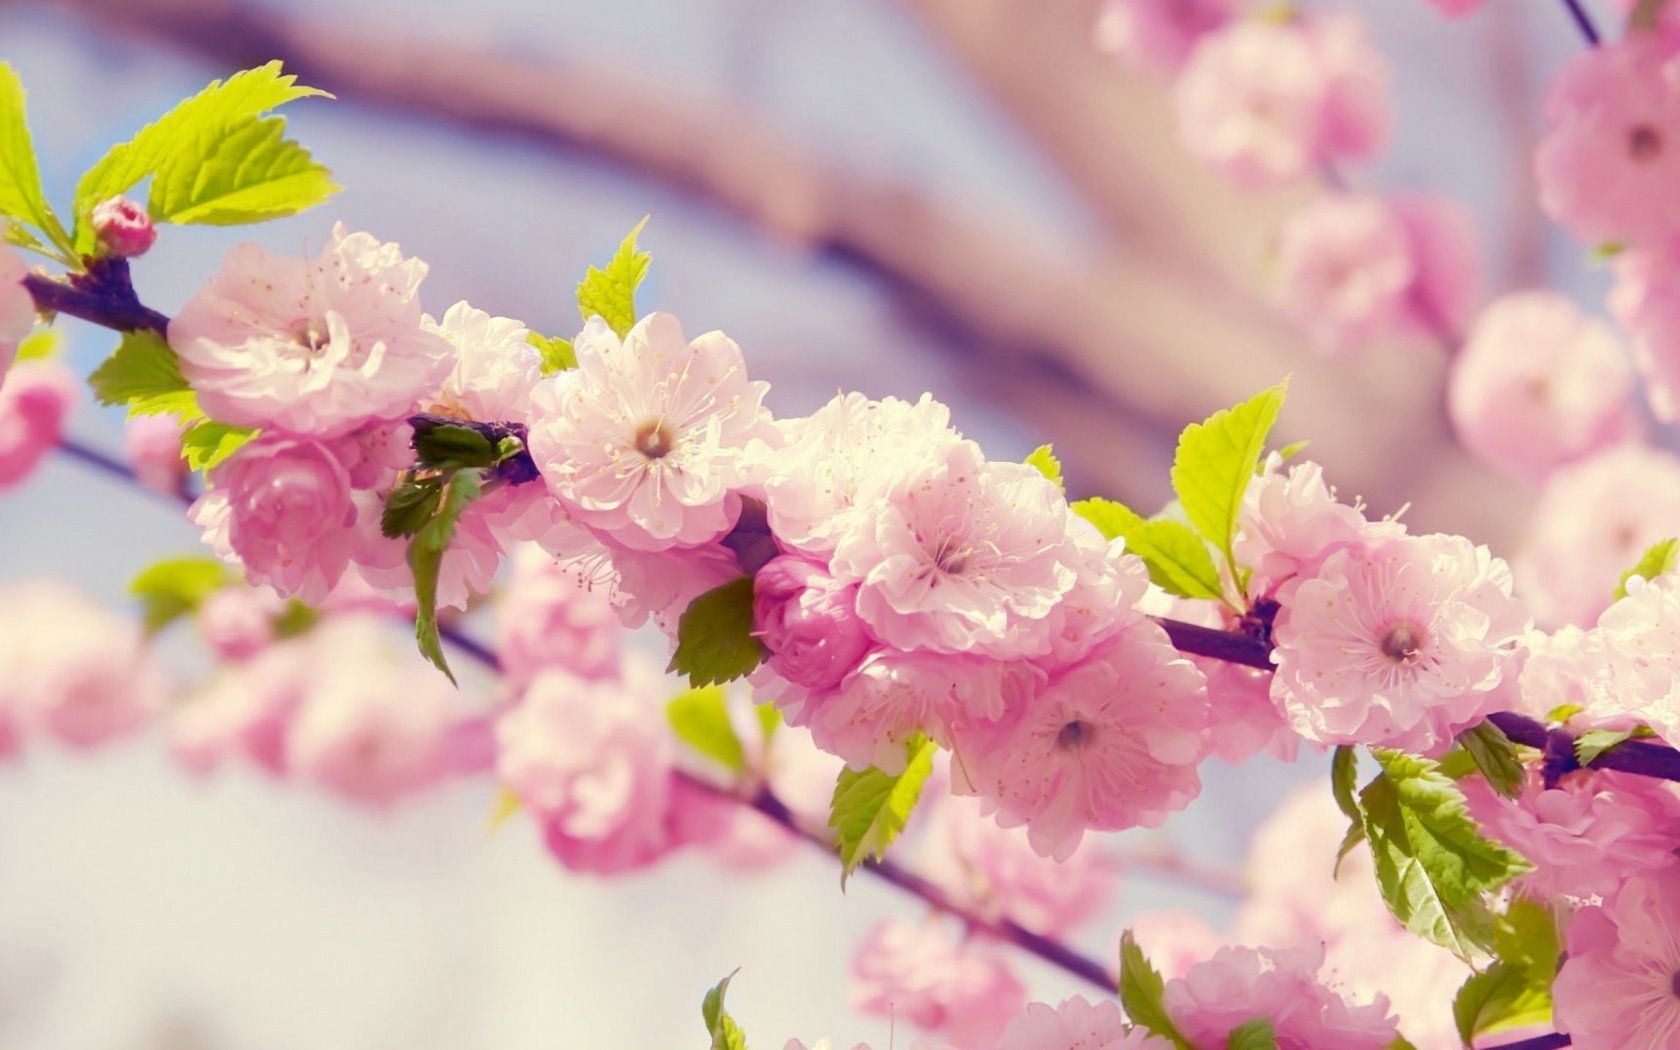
[551, 617]
[644, 440]
[1616, 990]
[1593, 521]
[1401, 644]
[1567, 669]
[496, 368]
[807, 621]
[962, 557]
[1157, 34]
[1611, 158]
[152, 445]
[281, 507]
[1238, 985]
[244, 710]
[916, 972]
[1456, 8]
[1174, 940]
[1446, 264]
[1108, 584]
[1112, 742]
[17, 307]
[659, 586]
[1538, 385]
[313, 348]
[1584, 836]
[34, 402]
[1646, 302]
[71, 667]
[237, 622]
[1077, 1025]
[592, 760]
[1264, 101]
[1344, 268]
[123, 227]
[1640, 674]
[1291, 521]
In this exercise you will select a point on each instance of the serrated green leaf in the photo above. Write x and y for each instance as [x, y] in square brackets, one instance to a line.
[18, 235]
[870, 808]
[1594, 742]
[1216, 460]
[39, 345]
[1499, 998]
[611, 293]
[176, 587]
[410, 506]
[1177, 559]
[1434, 867]
[244, 173]
[1563, 713]
[558, 355]
[700, 719]
[1142, 991]
[1495, 756]
[445, 445]
[208, 443]
[21, 196]
[715, 642]
[1657, 559]
[1257, 1034]
[1044, 459]
[144, 374]
[1344, 778]
[725, 1033]
[201, 129]
[425, 557]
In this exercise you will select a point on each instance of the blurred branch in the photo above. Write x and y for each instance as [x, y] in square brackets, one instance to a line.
[1522, 234]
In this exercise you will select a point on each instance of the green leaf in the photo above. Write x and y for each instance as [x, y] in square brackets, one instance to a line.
[1657, 559]
[1433, 865]
[176, 587]
[1499, 998]
[425, 557]
[1594, 742]
[1400, 1042]
[700, 718]
[1495, 756]
[1253, 1035]
[21, 196]
[725, 1033]
[39, 345]
[1177, 559]
[1344, 774]
[144, 374]
[295, 619]
[715, 642]
[769, 720]
[410, 506]
[448, 445]
[611, 293]
[1216, 460]
[203, 132]
[1291, 450]
[207, 443]
[870, 808]
[1141, 991]
[558, 355]
[1044, 459]
[249, 173]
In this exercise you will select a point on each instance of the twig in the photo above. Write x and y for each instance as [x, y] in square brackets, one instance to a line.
[1583, 21]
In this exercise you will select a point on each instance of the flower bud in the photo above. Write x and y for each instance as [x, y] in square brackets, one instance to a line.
[808, 621]
[123, 227]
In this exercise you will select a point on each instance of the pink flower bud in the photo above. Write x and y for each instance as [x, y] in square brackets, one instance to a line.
[34, 402]
[123, 227]
[153, 447]
[808, 621]
[237, 622]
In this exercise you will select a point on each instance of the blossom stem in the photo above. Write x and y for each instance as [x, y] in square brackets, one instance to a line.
[1216, 644]
[1583, 20]
[104, 295]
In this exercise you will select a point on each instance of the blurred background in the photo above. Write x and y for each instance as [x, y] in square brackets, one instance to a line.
[891, 196]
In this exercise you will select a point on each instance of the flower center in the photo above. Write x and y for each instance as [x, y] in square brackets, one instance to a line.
[1644, 143]
[655, 439]
[1074, 736]
[1674, 984]
[308, 336]
[1403, 643]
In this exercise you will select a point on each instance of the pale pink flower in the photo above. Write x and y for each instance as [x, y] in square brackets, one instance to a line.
[376, 721]
[1291, 521]
[1265, 101]
[1446, 264]
[820, 1044]
[1617, 989]
[496, 368]
[152, 446]
[1567, 669]
[1640, 674]
[312, 347]
[1593, 521]
[1238, 985]
[807, 621]
[1584, 836]
[72, 668]
[1455, 8]
[1646, 302]
[1611, 158]
[825, 476]
[283, 509]
[1399, 645]
[1344, 270]
[1107, 587]
[917, 973]
[1538, 385]
[963, 557]
[123, 227]
[34, 402]
[644, 440]
[1174, 939]
[592, 760]
[468, 568]
[1157, 34]
[238, 622]
[994, 871]
[1077, 1025]
[551, 617]
[17, 307]
[1112, 742]
[244, 710]
[660, 585]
